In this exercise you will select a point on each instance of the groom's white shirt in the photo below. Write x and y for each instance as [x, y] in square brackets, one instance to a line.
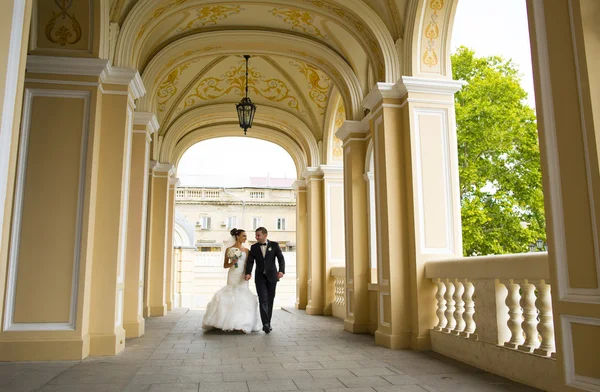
[263, 249]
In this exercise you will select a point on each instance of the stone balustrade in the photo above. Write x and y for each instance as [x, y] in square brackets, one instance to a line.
[339, 303]
[491, 303]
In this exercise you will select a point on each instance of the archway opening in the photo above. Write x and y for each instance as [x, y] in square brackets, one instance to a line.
[236, 182]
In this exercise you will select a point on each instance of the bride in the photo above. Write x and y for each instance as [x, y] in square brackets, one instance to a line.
[234, 307]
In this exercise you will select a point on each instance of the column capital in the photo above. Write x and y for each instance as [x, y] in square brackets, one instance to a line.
[100, 68]
[147, 120]
[299, 186]
[312, 173]
[332, 172]
[174, 182]
[354, 129]
[158, 169]
[410, 84]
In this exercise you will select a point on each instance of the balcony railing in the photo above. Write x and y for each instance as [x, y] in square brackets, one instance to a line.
[491, 303]
[338, 306]
[197, 194]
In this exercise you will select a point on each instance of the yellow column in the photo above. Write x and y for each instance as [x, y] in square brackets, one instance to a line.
[417, 201]
[63, 180]
[316, 239]
[107, 335]
[144, 124]
[333, 203]
[301, 245]
[169, 294]
[355, 136]
[156, 254]
[566, 63]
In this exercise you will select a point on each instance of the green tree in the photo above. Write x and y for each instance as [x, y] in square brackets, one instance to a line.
[499, 159]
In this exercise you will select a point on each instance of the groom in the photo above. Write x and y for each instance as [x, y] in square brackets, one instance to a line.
[267, 275]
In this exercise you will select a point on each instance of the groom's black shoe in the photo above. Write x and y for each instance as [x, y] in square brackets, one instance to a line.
[267, 328]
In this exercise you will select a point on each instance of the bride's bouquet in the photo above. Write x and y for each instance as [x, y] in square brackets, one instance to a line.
[234, 254]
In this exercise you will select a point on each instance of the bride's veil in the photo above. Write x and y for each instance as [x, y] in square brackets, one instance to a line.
[227, 244]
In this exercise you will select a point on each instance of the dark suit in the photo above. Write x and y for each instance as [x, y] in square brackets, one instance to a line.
[265, 276]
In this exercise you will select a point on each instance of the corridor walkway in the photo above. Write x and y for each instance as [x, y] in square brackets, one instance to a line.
[306, 353]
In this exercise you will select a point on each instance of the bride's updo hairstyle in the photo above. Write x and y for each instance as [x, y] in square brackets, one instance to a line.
[236, 232]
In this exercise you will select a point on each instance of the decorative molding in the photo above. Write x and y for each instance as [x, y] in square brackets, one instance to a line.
[378, 93]
[174, 182]
[411, 84]
[66, 65]
[165, 169]
[333, 172]
[101, 68]
[63, 82]
[299, 186]
[10, 97]
[13, 261]
[312, 173]
[573, 379]
[146, 119]
[350, 127]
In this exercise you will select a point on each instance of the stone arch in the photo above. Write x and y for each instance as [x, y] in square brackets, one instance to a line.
[289, 129]
[332, 146]
[427, 42]
[257, 132]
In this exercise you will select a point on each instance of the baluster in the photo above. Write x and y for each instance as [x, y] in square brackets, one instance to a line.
[469, 309]
[441, 308]
[530, 322]
[515, 315]
[546, 326]
[460, 307]
[450, 308]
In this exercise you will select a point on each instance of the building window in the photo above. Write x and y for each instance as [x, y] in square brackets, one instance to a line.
[205, 223]
[280, 223]
[257, 195]
[256, 223]
[231, 222]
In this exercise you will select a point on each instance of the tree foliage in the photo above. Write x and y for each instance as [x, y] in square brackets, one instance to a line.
[499, 159]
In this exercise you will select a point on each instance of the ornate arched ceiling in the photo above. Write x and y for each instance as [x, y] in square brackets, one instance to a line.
[189, 53]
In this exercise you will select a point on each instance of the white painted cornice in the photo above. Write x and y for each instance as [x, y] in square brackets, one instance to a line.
[88, 67]
[312, 173]
[332, 172]
[410, 84]
[147, 120]
[165, 168]
[126, 77]
[66, 65]
[299, 185]
[378, 92]
[174, 182]
[350, 127]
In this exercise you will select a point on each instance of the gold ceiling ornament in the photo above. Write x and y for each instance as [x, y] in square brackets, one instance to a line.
[299, 20]
[156, 14]
[432, 32]
[210, 16]
[340, 117]
[361, 28]
[69, 32]
[234, 81]
[318, 84]
[168, 88]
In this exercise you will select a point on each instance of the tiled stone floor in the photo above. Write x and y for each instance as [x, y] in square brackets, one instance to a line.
[306, 353]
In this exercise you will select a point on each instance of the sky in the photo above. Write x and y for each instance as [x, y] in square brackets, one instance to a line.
[486, 26]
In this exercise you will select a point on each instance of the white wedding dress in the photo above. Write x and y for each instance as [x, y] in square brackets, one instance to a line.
[233, 307]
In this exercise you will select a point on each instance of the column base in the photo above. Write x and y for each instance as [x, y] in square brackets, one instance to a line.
[356, 327]
[421, 343]
[300, 306]
[314, 311]
[107, 344]
[169, 306]
[328, 310]
[146, 311]
[134, 329]
[158, 311]
[45, 349]
[392, 341]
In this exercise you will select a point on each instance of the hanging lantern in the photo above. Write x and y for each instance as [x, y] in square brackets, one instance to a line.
[246, 108]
